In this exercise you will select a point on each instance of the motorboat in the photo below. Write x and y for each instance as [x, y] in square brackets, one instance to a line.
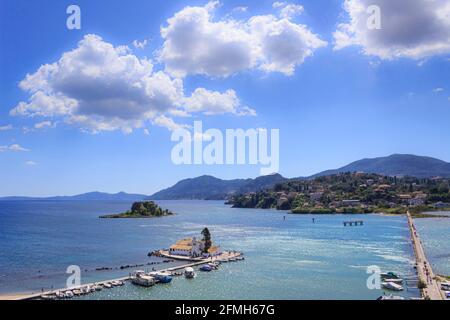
[117, 283]
[214, 265]
[392, 286]
[77, 292]
[445, 286]
[206, 268]
[68, 294]
[189, 273]
[397, 281]
[390, 297]
[139, 278]
[107, 285]
[389, 275]
[97, 287]
[162, 277]
[48, 297]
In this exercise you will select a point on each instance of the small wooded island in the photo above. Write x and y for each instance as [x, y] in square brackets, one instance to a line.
[146, 209]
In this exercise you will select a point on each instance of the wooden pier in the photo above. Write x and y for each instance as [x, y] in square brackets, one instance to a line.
[353, 223]
[425, 273]
[234, 256]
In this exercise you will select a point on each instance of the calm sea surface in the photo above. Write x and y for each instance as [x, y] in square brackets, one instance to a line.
[285, 259]
[435, 235]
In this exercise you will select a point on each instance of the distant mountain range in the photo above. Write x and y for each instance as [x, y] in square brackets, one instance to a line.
[207, 187]
[397, 165]
[212, 188]
[90, 196]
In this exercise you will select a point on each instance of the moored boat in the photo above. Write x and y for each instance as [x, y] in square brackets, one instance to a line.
[206, 268]
[189, 273]
[141, 279]
[214, 265]
[107, 285]
[390, 297]
[389, 275]
[397, 281]
[392, 286]
[162, 277]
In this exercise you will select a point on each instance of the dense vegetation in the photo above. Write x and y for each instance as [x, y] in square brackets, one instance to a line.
[147, 209]
[351, 193]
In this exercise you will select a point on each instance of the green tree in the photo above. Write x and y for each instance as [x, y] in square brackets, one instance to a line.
[206, 239]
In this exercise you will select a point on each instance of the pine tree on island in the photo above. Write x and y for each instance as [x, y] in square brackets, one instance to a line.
[206, 240]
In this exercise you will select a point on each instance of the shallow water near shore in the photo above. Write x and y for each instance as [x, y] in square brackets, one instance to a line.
[285, 259]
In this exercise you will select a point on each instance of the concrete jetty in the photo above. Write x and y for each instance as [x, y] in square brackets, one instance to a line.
[225, 257]
[424, 269]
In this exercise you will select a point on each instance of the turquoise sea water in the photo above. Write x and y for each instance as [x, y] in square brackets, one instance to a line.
[435, 235]
[285, 259]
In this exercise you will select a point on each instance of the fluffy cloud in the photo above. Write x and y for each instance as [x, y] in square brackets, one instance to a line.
[211, 103]
[413, 29]
[288, 10]
[6, 127]
[43, 124]
[195, 43]
[30, 163]
[99, 87]
[14, 148]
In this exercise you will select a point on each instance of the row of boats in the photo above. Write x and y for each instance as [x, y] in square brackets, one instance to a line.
[141, 278]
[393, 282]
[445, 286]
[70, 293]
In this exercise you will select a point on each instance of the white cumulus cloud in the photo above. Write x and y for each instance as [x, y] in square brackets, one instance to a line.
[6, 127]
[196, 43]
[14, 148]
[99, 87]
[43, 124]
[414, 29]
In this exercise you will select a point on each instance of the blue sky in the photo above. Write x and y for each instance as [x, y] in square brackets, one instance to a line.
[334, 100]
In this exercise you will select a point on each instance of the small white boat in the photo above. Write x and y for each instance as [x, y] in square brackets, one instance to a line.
[107, 285]
[77, 292]
[68, 294]
[141, 279]
[447, 294]
[97, 287]
[86, 290]
[390, 297]
[397, 281]
[48, 297]
[214, 265]
[189, 273]
[445, 286]
[392, 286]
[60, 294]
[389, 275]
